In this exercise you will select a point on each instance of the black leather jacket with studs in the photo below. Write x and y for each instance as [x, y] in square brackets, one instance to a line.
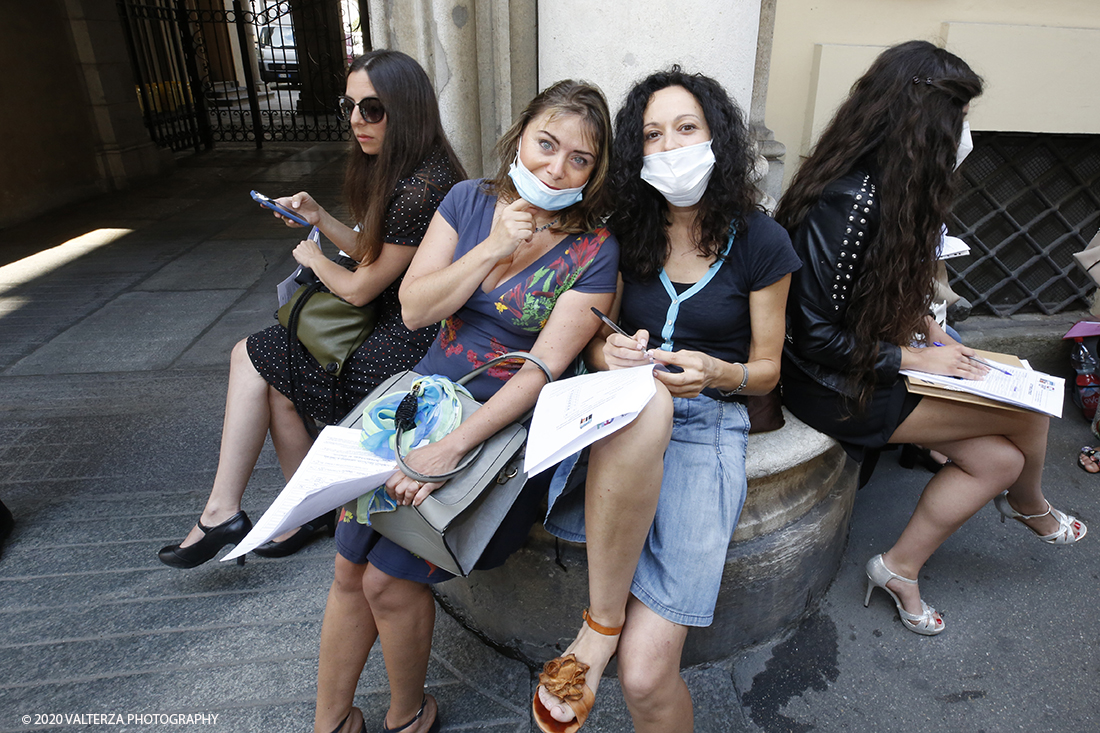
[831, 240]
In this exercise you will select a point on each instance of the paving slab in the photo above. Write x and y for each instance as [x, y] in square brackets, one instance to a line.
[135, 330]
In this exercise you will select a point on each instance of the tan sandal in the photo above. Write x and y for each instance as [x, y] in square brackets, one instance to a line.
[563, 677]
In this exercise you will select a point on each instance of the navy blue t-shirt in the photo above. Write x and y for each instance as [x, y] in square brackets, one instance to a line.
[511, 316]
[715, 320]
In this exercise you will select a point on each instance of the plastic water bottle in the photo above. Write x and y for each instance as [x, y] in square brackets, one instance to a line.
[1087, 393]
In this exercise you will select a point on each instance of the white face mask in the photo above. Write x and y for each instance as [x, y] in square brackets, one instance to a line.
[966, 144]
[532, 190]
[681, 174]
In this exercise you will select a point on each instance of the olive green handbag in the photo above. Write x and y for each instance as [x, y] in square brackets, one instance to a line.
[329, 327]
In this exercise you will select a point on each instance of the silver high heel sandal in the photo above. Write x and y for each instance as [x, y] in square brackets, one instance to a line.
[1068, 527]
[878, 575]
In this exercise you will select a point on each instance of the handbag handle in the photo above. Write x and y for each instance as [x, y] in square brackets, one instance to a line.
[399, 427]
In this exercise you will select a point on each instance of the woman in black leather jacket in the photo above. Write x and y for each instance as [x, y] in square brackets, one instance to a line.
[864, 213]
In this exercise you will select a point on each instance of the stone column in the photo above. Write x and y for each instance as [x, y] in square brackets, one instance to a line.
[479, 55]
[123, 149]
[770, 151]
[614, 43]
[779, 563]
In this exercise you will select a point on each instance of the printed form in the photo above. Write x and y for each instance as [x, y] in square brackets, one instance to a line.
[576, 412]
[336, 470]
[1009, 384]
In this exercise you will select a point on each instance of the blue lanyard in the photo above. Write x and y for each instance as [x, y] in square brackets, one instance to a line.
[678, 298]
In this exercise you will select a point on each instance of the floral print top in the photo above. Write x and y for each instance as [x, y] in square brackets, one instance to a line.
[509, 317]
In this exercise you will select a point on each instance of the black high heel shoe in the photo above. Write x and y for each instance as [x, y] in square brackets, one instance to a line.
[229, 532]
[299, 539]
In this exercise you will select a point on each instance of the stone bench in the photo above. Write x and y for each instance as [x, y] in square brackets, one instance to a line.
[783, 556]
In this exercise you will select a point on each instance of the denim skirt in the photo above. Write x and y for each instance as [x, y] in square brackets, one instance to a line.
[702, 493]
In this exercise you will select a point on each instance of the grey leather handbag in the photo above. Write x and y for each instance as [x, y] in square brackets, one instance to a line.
[452, 527]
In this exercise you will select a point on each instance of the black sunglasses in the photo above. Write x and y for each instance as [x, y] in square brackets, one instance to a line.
[369, 107]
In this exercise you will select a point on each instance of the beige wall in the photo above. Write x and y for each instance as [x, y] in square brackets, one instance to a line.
[1040, 61]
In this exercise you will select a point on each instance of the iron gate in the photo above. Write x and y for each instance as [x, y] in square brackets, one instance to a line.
[1029, 201]
[208, 71]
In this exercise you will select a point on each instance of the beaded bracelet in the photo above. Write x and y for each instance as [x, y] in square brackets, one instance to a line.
[744, 381]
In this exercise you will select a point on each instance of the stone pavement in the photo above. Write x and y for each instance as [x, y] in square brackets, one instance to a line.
[113, 361]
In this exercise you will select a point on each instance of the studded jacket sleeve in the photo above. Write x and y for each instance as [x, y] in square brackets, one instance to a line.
[832, 240]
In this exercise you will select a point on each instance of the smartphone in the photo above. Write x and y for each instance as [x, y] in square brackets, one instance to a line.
[270, 204]
[670, 368]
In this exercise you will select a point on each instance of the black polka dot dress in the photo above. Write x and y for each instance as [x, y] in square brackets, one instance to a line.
[391, 347]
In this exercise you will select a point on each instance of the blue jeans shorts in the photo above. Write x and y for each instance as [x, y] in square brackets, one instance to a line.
[702, 493]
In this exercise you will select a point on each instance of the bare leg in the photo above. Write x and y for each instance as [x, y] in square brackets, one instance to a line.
[347, 635]
[289, 436]
[991, 450]
[649, 672]
[244, 429]
[404, 612]
[621, 491]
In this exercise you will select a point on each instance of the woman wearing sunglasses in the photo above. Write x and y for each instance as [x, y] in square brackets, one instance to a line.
[510, 263]
[399, 169]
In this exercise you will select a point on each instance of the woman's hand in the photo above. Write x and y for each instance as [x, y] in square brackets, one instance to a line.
[432, 459]
[621, 352]
[952, 360]
[302, 204]
[700, 371]
[514, 226]
[307, 252]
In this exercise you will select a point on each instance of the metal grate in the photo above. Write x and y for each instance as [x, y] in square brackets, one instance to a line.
[241, 70]
[1028, 202]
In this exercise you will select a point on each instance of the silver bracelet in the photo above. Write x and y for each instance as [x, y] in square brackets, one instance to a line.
[744, 381]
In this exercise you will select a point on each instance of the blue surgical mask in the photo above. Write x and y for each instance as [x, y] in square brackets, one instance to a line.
[537, 193]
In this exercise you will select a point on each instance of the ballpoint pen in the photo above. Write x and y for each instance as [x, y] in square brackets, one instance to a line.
[671, 368]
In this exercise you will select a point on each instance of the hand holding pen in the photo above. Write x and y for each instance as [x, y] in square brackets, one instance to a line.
[979, 360]
[641, 341]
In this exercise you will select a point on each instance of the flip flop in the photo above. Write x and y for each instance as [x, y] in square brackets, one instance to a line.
[1091, 453]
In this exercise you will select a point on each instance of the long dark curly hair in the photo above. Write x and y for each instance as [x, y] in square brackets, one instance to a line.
[640, 217]
[413, 132]
[566, 97]
[901, 123]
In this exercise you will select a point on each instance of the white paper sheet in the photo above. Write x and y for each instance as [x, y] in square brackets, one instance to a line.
[952, 247]
[336, 470]
[286, 288]
[574, 413]
[1009, 384]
